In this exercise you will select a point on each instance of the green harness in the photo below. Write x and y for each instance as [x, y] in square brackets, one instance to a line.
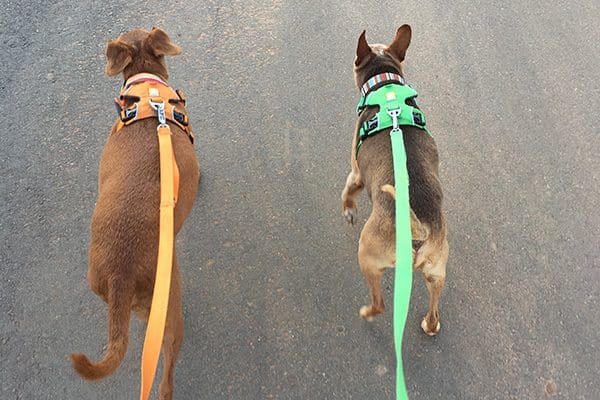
[393, 113]
[391, 99]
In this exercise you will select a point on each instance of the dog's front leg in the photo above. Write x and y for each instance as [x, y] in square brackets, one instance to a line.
[353, 187]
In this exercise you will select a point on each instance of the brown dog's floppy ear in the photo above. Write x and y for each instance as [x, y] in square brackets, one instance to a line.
[363, 50]
[118, 55]
[401, 42]
[161, 44]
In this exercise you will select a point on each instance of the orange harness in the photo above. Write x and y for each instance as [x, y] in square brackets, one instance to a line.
[153, 98]
[138, 95]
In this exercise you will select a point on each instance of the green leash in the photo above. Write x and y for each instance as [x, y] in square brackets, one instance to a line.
[403, 273]
[390, 93]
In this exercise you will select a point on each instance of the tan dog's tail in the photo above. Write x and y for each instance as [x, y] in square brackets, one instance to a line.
[419, 231]
[119, 311]
[389, 189]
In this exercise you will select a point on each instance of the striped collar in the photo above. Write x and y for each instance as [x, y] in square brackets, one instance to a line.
[380, 78]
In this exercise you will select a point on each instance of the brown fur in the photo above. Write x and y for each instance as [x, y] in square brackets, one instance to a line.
[125, 223]
[374, 172]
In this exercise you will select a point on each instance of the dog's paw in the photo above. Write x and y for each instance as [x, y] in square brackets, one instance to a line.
[350, 215]
[428, 331]
[365, 313]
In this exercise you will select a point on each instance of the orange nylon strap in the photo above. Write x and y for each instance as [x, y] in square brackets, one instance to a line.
[169, 184]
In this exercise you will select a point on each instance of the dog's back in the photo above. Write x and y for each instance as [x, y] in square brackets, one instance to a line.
[376, 166]
[129, 179]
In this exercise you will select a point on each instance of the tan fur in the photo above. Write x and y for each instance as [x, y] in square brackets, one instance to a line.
[389, 189]
[373, 171]
[125, 223]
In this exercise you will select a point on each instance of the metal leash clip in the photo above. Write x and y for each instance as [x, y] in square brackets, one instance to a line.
[395, 113]
[159, 106]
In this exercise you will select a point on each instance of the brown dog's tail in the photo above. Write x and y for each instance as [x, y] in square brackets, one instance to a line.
[119, 311]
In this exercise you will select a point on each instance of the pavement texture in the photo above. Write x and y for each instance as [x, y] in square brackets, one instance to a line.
[271, 282]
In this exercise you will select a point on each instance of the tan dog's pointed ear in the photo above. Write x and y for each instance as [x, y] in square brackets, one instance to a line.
[401, 42]
[118, 56]
[363, 50]
[161, 44]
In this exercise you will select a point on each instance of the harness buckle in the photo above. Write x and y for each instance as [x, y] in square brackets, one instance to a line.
[181, 118]
[394, 113]
[159, 106]
[419, 119]
[372, 124]
[128, 114]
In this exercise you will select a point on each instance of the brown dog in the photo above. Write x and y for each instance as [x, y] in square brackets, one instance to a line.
[125, 223]
[374, 171]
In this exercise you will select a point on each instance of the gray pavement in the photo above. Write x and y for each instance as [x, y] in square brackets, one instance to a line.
[271, 283]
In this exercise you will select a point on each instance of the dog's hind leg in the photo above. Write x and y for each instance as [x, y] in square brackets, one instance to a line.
[173, 337]
[372, 275]
[374, 255]
[353, 187]
[434, 272]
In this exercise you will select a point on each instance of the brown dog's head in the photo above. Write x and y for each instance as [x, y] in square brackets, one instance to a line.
[140, 51]
[378, 58]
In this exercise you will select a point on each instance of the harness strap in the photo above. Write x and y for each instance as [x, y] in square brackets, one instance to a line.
[169, 188]
[403, 270]
[142, 109]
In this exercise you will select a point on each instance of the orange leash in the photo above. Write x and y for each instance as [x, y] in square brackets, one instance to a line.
[169, 185]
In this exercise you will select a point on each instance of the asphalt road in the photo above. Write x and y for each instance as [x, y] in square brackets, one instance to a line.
[271, 283]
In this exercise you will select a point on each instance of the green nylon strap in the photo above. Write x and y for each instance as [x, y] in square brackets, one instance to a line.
[391, 99]
[403, 273]
[392, 96]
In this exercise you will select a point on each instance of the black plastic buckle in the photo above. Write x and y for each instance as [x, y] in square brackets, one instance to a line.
[181, 118]
[418, 119]
[128, 114]
[371, 124]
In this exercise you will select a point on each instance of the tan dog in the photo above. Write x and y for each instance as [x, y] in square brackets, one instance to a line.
[125, 223]
[374, 171]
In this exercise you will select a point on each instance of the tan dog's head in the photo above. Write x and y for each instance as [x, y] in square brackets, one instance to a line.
[140, 51]
[378, 58]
